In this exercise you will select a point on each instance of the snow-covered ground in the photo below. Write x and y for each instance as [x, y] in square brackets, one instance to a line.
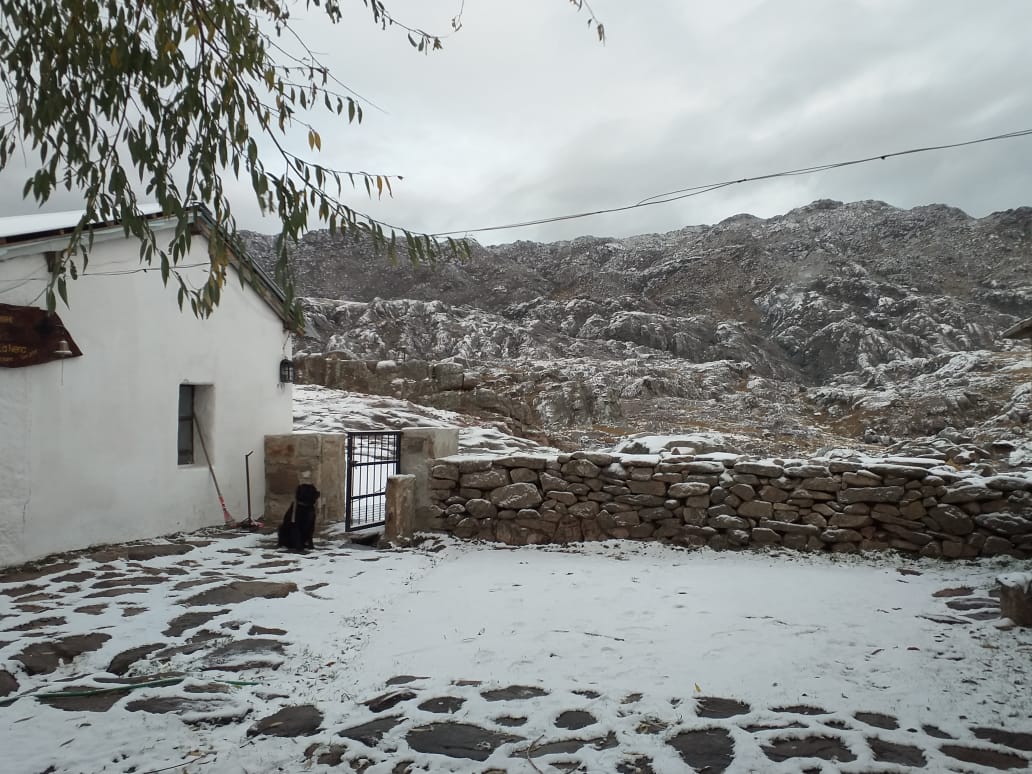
[637, 635]
[325, 410]
[750, 662]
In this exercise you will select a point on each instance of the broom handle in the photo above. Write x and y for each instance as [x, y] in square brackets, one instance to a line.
[204, 448]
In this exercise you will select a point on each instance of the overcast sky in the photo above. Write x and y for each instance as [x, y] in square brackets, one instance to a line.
[525, 115]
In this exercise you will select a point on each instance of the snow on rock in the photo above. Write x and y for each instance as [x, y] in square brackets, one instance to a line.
[831, 325]
[1016, 597]
[1016, 580]
[325, 410]
[687, 443]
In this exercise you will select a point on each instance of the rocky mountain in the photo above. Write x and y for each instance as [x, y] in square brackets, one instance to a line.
[834, 322]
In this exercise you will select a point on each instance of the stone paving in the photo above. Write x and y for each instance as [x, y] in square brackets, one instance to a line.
[707, 733]
[409, 727]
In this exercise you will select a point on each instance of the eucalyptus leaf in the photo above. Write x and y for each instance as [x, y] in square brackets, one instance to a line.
[170, 97]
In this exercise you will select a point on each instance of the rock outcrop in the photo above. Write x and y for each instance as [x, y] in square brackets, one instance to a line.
[832, 323]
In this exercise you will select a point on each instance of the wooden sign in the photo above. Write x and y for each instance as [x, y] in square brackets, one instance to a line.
[31, 336]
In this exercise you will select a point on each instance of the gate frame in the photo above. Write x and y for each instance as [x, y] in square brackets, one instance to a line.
[353, 466]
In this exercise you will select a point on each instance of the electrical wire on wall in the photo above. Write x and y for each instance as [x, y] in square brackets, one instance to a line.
[113, 273]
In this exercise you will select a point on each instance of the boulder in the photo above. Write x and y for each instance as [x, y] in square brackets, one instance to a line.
[481, 509]
[484, 480]
[596, 458]
[996, 546]
[523, 461]
[1008, 483]
[756, 509]
[861, 478]
[765, 469]
[523, 475]
[966, 493]
[584, 510]
[763, 536]
[743, 492]
[773, 494]
[466, 528]
[445, 471]
[647, 487]
[821, 484]
[568, 530]
[728, 522]
[1005, 523]
[789, 528]
[951, 520]
[909, 535]
[850, 520]
[871, 494]
[704, 467]
[642, 500]
[839, 535]
[581, 467]
[689, 489]
[516, 496]
[806, 470]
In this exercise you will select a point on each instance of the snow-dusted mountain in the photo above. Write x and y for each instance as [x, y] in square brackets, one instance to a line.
[829, 321]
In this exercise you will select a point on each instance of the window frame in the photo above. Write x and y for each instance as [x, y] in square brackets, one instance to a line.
[195, 409]
[185, 441]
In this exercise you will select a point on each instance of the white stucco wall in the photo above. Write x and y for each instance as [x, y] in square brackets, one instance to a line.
[88, 445]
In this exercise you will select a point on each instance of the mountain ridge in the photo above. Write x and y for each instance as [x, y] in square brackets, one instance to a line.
[824, 305]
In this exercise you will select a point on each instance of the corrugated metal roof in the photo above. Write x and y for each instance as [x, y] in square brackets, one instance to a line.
[22, 231]
[14, 226]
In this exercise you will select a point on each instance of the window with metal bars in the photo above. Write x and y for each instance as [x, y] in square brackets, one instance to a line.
[195, 400]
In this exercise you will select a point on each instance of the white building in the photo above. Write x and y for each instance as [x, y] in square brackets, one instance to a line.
[102, 448]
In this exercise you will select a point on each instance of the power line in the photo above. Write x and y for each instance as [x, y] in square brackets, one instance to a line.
[836, 165]
[144, 269]
[17, 283]
[698, 190]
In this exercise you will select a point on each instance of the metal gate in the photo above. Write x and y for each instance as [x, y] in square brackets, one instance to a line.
[372, 457]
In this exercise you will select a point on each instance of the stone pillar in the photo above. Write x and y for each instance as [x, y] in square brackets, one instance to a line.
[332, 476]
[286, 456]
[1016, 597]
[419, 445]
[401, 507]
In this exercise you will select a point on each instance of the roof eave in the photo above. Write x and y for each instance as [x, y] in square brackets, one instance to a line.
[42, 240]
[258, 279]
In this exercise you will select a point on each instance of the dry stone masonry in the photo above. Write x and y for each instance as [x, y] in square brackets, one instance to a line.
[915, 505]
[526, 400]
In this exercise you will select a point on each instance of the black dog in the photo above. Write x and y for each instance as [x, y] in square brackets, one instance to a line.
[298, 527]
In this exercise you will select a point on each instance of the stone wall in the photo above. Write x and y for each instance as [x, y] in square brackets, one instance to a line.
[399, 379]
[920, 506]
[522, 401]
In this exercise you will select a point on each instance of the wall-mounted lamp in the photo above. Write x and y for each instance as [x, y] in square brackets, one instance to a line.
[286, 371]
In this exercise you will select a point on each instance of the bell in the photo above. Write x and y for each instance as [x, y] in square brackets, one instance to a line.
[62, 349]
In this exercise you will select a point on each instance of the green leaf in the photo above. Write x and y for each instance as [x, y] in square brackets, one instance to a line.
[181, 95]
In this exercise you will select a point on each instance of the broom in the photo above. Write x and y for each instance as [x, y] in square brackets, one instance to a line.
[225, 511]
